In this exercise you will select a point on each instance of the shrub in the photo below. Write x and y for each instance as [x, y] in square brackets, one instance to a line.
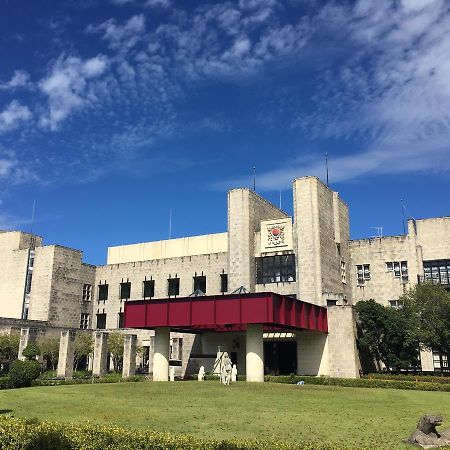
[6, 383]
[409, 377]
[22, 373]
[31, 351]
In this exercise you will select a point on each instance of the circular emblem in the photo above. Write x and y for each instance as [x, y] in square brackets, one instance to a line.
[275, 231]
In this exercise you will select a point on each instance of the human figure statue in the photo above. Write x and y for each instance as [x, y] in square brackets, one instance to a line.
[234, 373]
[225, 375]
[172, 374]
[201, 374]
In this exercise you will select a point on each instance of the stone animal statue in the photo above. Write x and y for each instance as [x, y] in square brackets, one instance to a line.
[426, 435]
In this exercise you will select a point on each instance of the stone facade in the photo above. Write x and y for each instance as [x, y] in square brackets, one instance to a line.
[319, 264]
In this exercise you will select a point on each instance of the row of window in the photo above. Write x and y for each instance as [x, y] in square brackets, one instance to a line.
[148, 287]
[398, 268]
[275, 269]
[437, 271]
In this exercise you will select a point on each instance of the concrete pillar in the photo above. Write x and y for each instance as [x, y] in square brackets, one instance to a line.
[161, 355]
[129, 355]
[255, 353]
[27, 336]
[312, 353]
[66, 354]
[100, 353]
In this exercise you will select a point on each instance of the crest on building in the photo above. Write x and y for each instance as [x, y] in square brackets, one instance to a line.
[276, 235]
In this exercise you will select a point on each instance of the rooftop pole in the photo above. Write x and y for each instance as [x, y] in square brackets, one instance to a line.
[254, 179]
[326, 165]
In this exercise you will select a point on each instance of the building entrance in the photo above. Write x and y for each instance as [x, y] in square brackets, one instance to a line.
[280, 357]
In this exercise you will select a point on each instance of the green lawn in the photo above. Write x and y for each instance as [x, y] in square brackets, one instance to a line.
[379, 418]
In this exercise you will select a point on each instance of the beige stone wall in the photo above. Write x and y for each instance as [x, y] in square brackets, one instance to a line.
[246, 210]
[321, 233]
[160, 270]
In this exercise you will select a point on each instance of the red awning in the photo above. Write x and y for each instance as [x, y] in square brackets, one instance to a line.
[226, 313]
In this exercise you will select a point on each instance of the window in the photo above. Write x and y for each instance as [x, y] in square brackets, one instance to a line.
[223, 283]
[200, 283]
[125, 289]
[101, 321]
[148, 289]
[84, 321]
[437, 271]
[399, 269]
[102, 292]
[28, 282]
[275, 269]
[363, 273]
[440, 361]
[87, 292]
[395, 304]
[173, 287]
[343, 272]
[120, 320]
[331, 302]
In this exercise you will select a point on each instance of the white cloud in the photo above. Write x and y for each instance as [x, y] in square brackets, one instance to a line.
[13, 115]
[158, 3]
[67, 87]
[20, 79]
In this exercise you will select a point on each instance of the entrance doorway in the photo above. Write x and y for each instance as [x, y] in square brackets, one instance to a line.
[280, 357]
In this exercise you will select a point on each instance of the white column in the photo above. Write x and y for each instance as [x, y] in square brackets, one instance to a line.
[161, 354]
[255, 352]
[100, 354]
[312, 353]
[27, 336]
[129, 355]
[66, 354]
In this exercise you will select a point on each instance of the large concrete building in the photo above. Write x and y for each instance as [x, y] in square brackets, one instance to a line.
[309, 257]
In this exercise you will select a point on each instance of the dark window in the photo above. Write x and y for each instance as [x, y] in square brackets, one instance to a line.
[28, 282]
[200, 284]
[223, 283]
[331, 302]
[125, 289]
[101, 321]
[173, 286]
[84, 321]
[120, 320]
[148, 288]
[103, 292]
[437, 271]
[275, 269]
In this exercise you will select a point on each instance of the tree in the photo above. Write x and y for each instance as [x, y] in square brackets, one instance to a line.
[115, 348]
[31, 351]
[386, 333]
[428, 305]
[50, 350]
[84, 346]
[9, 348]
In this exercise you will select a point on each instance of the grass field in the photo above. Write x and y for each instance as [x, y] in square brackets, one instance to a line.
[379, 418]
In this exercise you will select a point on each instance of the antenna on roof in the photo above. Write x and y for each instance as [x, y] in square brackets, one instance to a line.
[326, 165]
[170, 223]
[403, 216]
[280, 198]
[254, 179]
[379, 231]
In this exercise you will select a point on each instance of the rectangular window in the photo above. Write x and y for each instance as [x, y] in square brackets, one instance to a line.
[200, 284]
[395, 304]
[102, 292]
[87, 292]
[363, 273]
[173, 287]
[399, 269]
[120, 320]
[84, 321]
[440, 361]
[275, 269]
[437, 271]
[101, 321]
[28, 281]
[223, 283]
[125, 290]
[148, 288]
[343, 272]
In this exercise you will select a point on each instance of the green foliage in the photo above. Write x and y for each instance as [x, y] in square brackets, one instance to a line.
[50, 350]
[18, 434]
[109, 378]
[360, 382]
[6, 383]
[84, 346]
[429, 307]
[387, 333]
[115, 348]
[22, 373]
[31, 351]
[9, 347]
[409, 377]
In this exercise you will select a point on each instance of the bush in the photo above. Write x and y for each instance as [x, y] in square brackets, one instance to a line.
[409, 377]
[18, 434]
[31, 351]
[6, 383]
[360, 382]
[22, 373]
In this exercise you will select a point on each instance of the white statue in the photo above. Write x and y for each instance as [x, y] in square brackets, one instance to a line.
[201, 374]
[172, 374]
[225, 374]
[234, 373]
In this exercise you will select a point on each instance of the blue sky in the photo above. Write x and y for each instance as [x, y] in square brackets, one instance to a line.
[114, 111]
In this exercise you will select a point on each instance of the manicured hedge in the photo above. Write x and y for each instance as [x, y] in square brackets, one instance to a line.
[22, 373]
[105, 379]
[360, 382]
[6, 383]
[405, 377]
[18, 434]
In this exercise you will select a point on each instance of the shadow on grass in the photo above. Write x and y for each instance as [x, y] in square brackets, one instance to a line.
[5, 411]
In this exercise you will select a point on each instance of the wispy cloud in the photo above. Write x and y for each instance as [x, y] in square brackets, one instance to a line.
[20, 79]
[13, 116]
